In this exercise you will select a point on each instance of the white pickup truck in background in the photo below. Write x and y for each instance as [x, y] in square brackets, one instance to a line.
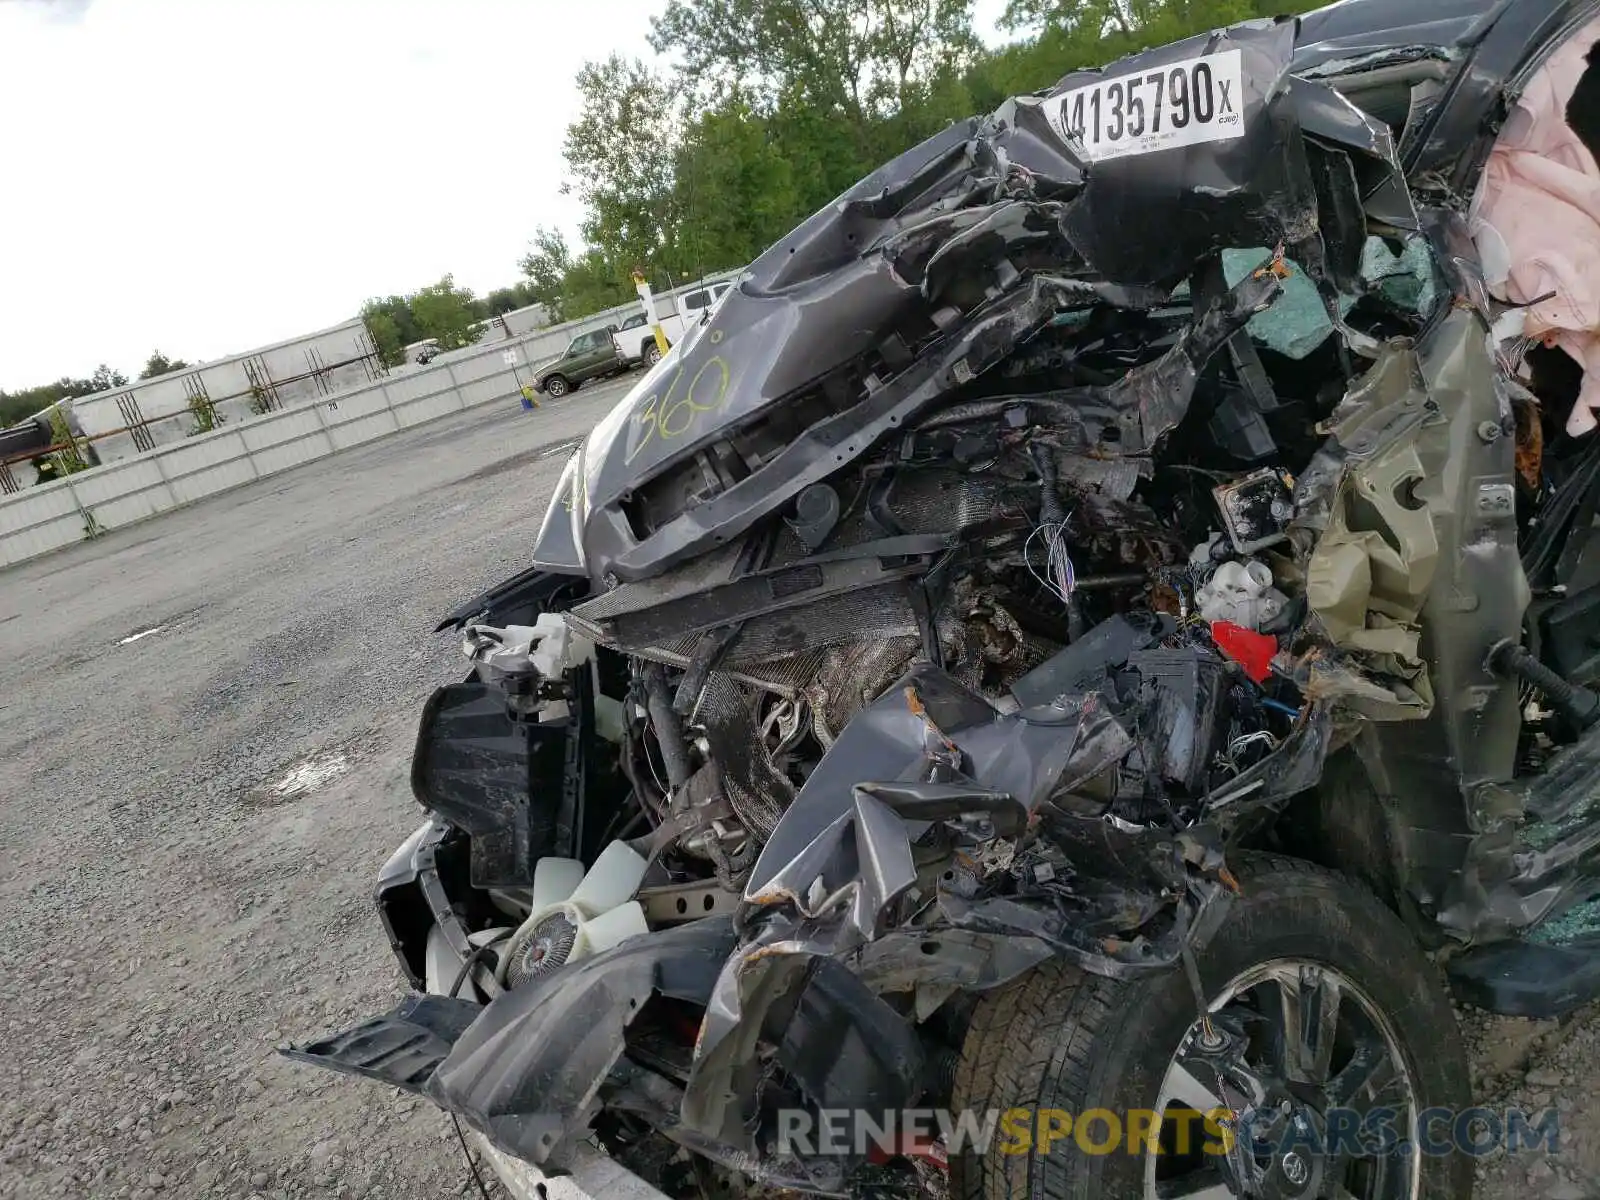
[636, 339]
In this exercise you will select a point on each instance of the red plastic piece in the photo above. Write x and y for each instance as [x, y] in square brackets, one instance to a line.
[1251, 650]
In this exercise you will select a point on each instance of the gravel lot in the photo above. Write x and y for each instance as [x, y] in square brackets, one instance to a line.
[166, 916]
[172, 908]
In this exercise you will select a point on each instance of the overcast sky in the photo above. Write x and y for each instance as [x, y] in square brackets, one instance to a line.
[206, 176]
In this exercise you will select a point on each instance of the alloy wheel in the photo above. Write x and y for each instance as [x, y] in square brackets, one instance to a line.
[1303, 1078]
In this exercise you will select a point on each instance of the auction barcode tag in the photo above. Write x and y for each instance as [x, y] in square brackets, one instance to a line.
[1180, 104]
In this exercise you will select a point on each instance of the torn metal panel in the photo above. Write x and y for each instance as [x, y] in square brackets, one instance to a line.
[1479, 592]
[1352, 37]
[993, 332]
[843, 1046]
[859, 877]
[1082, 665]
[757, 976]
[1143, 217]
[527, 1072]
[1025, 755]
[1366, 147]
[1437, 499]
[1294, 767]
[1124, 905]
[847, 1048]
[914, 959]
[402, 1048]
[1376, 558]
[559, 546]
[1499, 51]
[1155, 398]
[1467, 748]
[1386, 405]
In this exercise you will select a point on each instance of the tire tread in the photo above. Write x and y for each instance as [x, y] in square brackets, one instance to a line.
[1037, 1042]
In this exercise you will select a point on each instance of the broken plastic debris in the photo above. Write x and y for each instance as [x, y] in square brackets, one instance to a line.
[1256, 509]
[143, 633]
[1240, 593]
[1251, 650]
[310, 775]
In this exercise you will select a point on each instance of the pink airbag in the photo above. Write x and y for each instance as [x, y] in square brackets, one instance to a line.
[1540, 197]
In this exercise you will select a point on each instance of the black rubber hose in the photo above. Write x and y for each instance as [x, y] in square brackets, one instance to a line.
[669, 729]
[1573, 701]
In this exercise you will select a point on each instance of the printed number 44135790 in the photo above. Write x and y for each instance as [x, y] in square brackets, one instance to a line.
[1180, 104]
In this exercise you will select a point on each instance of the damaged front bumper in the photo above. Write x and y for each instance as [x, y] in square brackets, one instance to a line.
[872, 905]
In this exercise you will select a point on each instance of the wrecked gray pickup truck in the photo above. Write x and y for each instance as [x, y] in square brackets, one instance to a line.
[1094, 621]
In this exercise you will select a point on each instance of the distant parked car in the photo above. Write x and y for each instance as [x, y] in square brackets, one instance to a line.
[693, 306]
[422, 353]
[638, 341]
[591, 355]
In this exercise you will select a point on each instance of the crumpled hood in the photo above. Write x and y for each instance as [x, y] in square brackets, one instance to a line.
[1125, 177]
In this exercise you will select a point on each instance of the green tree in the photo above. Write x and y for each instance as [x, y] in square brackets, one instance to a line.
[392, 327]
[507, 299]
[856, 56]
[446, 313]
[797, 100]
[1070, 34]
[103, 380]
[19, 405]
[736, 190]
[72, 457]
[159, 364]
[597, 281]
[618, 153]
[774, 107]
[547, 266]
[570, 286]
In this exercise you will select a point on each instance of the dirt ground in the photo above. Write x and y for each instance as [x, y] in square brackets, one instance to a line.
[191, 820]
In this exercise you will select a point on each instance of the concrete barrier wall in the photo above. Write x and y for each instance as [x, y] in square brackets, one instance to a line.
[163, 402]
[50, 516]
[246, 447]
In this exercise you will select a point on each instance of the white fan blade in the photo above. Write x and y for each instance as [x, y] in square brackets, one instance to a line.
[609, 928]
[554, 880]
[613, 879]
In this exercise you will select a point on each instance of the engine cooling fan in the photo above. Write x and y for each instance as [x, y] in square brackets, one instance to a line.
[548, 945]
[575, 913]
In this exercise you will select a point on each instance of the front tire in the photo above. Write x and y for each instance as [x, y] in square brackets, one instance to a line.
[557, 386]
[1298, 942]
